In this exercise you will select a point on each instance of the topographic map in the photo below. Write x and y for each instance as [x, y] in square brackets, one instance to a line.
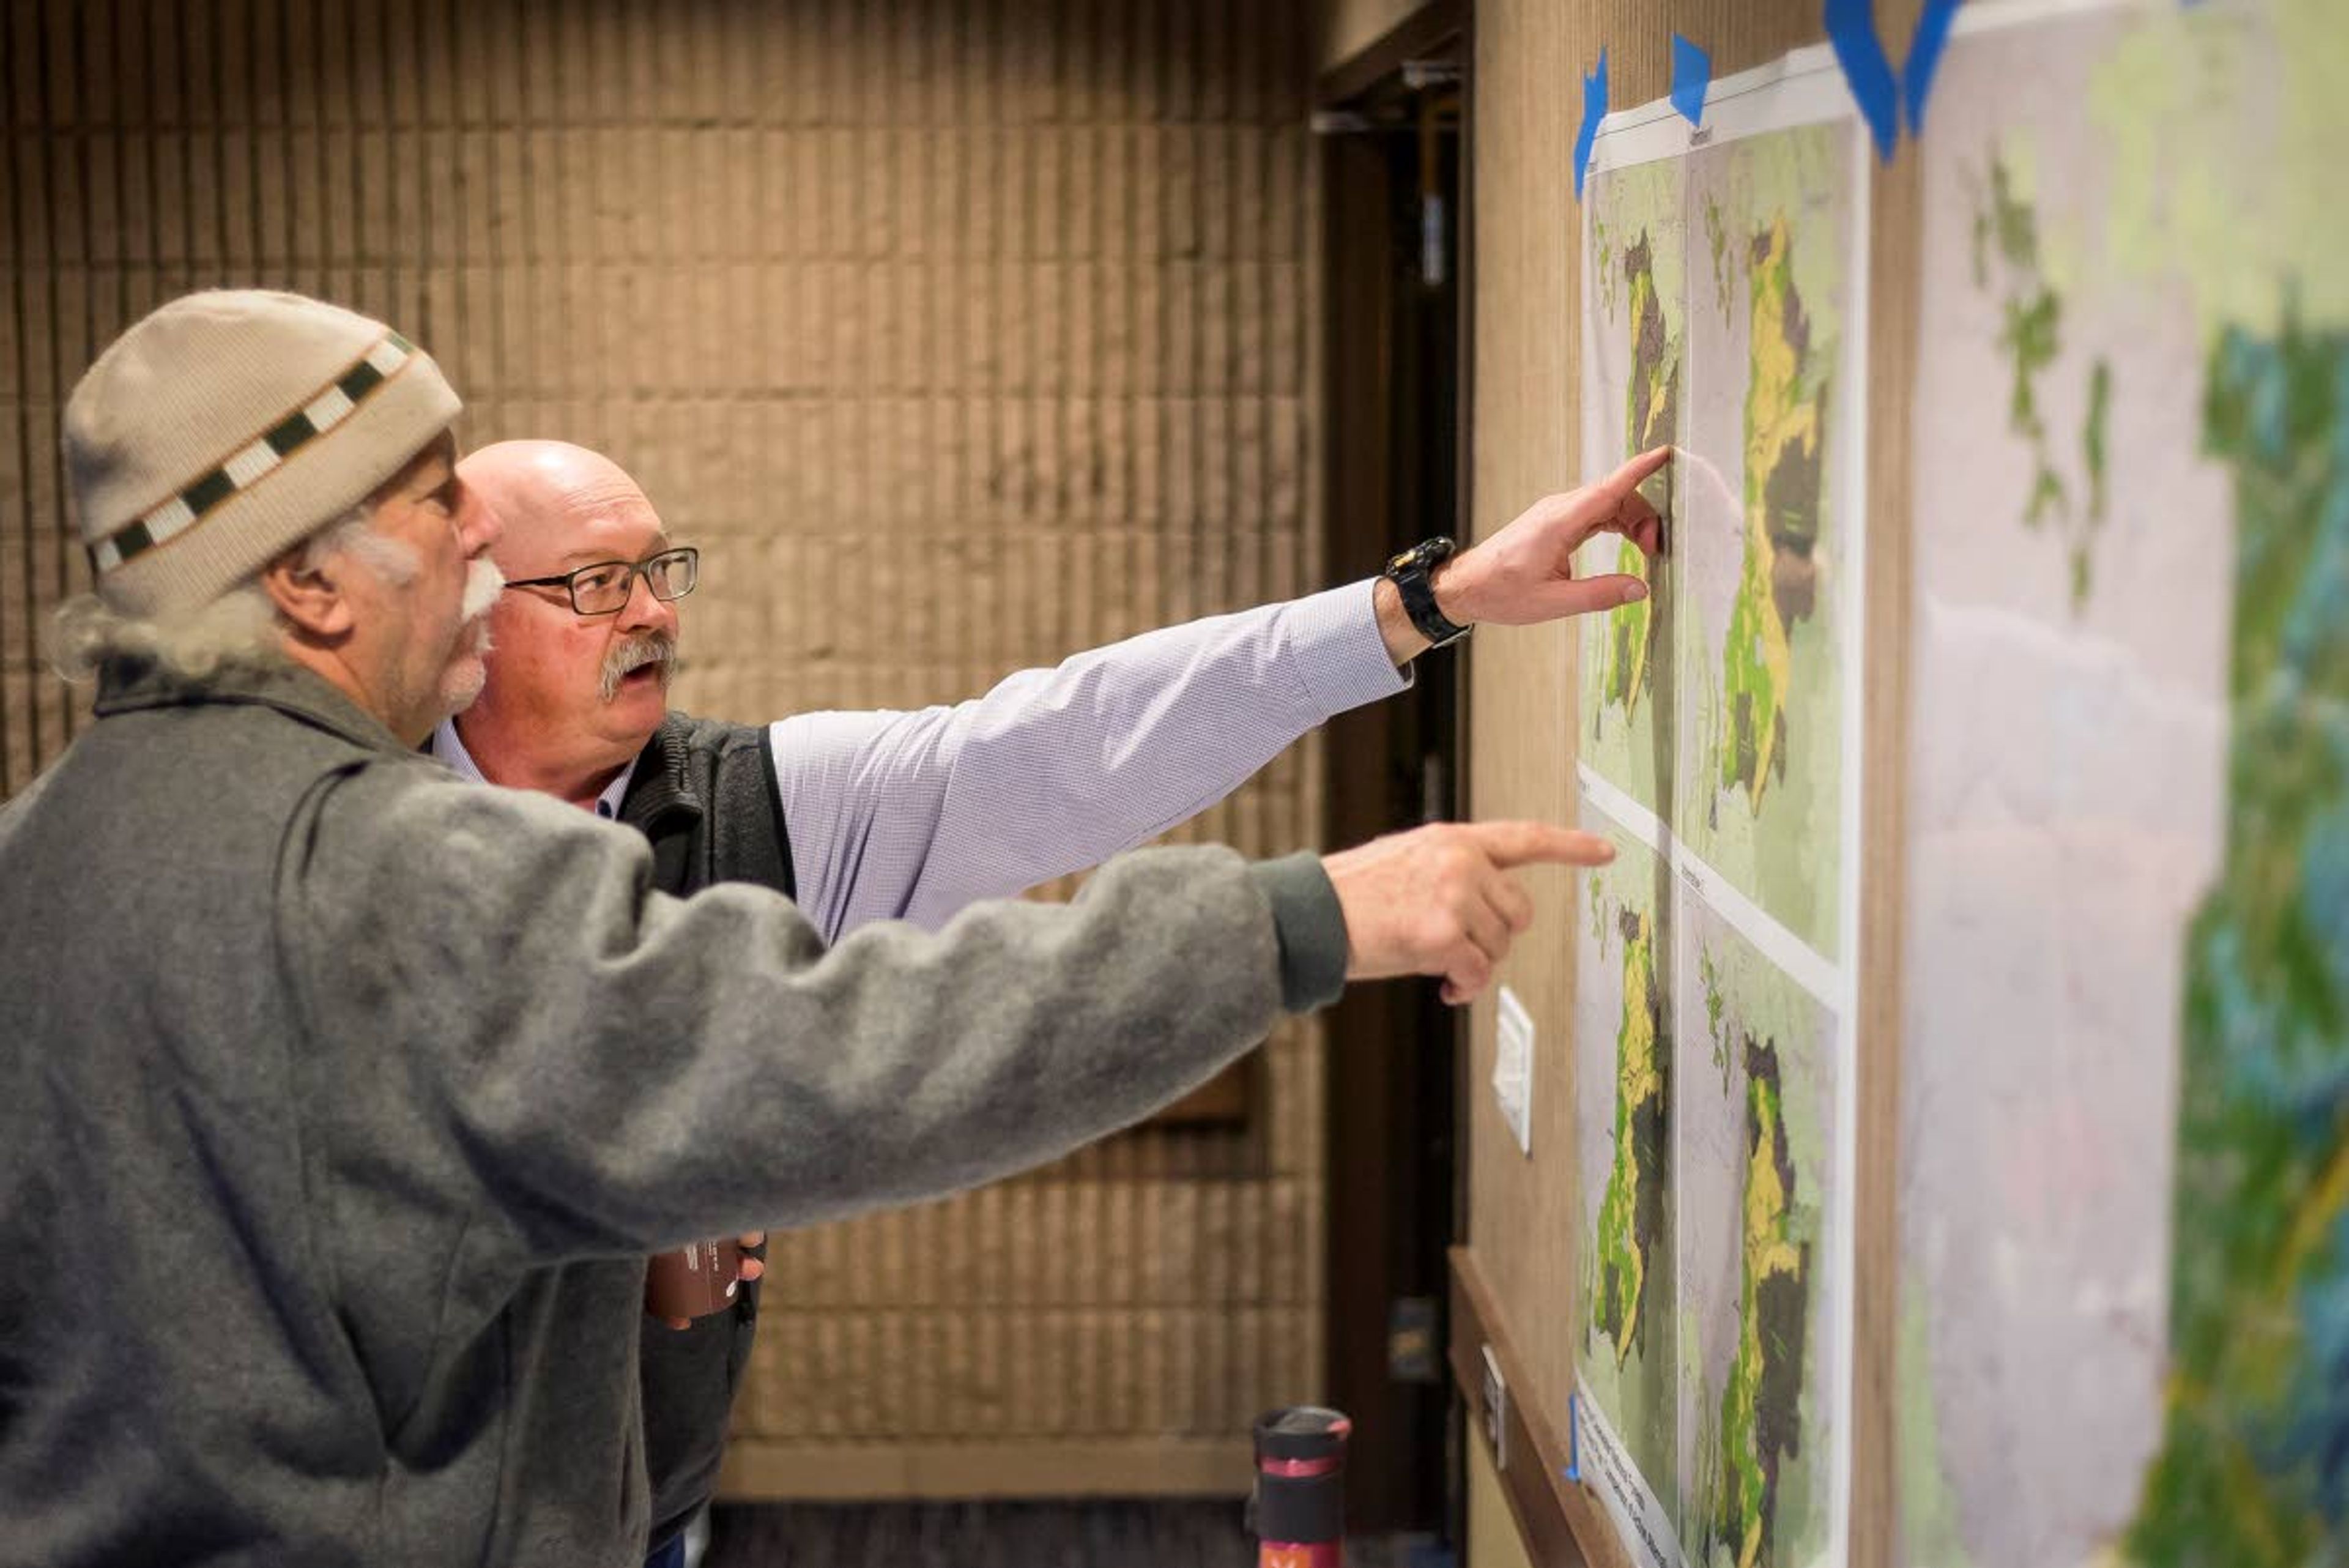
[2123, 1297]
[1638, 285]
[1753, 1114]
[1721, 294]
[1627, 1358]
[1756, 558]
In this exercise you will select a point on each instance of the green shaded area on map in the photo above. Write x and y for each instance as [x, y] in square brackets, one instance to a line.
[1786, 413]
[1651, 418]
[1716, 239]
[1753, 600]
[1632, 1213]
[1627, 1269]
[2253, 1467]
[1602, 248]
[1761, 1416]
[1634, 391]
[2006, 241]
[1714, 1002]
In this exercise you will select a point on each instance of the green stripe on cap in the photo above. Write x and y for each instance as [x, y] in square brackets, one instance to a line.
[285, 437]
[207, 492]
[359, 380]
[184, 509]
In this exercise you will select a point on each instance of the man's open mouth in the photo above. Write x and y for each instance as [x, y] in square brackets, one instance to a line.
[647, 664]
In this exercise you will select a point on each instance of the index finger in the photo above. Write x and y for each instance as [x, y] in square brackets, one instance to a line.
[1636, 473]
[1537, 843]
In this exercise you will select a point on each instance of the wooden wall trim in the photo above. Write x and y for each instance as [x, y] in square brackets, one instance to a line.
[1557, 1519]
[1896, 219]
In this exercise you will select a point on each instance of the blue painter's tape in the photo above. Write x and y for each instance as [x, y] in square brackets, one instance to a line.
[1691, 74]
[1925, 57]
[1573, 1440]
[1593, 109]
[1859, 48]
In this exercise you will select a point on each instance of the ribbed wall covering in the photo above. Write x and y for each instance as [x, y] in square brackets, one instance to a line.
[958, 335]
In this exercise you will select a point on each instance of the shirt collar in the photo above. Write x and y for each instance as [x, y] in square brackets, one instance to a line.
[446, 745]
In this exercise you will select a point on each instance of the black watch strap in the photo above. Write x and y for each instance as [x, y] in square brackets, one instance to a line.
[1411, 571]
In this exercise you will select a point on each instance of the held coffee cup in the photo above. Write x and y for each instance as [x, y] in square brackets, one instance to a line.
[695, 1281]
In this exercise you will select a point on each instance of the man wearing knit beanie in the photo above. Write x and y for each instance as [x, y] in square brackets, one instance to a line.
[227, 430]
[342, 1099]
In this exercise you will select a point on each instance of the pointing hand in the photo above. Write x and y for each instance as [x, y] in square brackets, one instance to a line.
[1440, 899]
[1525, 573]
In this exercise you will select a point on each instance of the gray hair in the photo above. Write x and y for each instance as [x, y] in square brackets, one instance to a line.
[239, 627]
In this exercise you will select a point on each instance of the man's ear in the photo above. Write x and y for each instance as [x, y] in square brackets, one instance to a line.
[309, 591]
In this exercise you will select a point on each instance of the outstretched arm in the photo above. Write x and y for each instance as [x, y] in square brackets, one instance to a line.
[489, 1063]
[912, 815]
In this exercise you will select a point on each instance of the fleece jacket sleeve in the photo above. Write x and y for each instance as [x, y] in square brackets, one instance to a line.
[506, 1024]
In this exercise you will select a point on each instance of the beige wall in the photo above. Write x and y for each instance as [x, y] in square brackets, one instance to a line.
[1493, 1539]
[960, 336]
[1530, 58]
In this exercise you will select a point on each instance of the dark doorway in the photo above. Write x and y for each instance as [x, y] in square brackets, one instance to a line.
[1393, 134]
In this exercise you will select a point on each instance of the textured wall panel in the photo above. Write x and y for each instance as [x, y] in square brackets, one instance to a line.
[958, 335]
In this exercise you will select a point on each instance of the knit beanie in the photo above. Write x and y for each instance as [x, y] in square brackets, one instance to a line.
[229, 425]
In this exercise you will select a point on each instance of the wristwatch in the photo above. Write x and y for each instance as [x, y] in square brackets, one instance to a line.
[1407, 570]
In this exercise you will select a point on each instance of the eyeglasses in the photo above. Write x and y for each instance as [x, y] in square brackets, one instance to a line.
[603, 587]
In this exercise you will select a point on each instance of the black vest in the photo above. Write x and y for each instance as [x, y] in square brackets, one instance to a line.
[704, 793]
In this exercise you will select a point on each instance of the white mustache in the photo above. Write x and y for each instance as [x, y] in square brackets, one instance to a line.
[483, 583]
[653, 648]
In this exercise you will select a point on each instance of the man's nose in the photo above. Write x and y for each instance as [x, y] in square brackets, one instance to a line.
[478, 524]
[643, 611]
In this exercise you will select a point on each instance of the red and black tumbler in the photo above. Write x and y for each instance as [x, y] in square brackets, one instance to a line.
[1300, 1488]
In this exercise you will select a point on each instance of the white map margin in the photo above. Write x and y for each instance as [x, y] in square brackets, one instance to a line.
[1797, 959]
[1623, 1492]
[1804, 87]
[1994, 16]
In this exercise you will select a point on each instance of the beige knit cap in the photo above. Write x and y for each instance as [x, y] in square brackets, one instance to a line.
[229, 425]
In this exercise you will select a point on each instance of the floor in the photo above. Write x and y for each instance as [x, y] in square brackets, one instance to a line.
[1092, 1534]
[1109, 1534]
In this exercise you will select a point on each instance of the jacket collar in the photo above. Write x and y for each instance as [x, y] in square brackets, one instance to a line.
[130, 685]
[662, 788]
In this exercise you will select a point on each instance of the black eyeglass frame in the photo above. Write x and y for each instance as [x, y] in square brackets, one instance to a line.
[569, 581]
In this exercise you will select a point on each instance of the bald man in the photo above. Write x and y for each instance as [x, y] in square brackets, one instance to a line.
[913, 815]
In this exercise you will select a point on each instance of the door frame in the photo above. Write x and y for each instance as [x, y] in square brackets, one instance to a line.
[1396, 1055]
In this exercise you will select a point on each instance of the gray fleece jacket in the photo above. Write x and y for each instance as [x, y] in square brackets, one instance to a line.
[340, 1103]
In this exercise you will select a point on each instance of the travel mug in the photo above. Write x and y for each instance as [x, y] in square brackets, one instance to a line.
[695, 1281]
[1298, 1512]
